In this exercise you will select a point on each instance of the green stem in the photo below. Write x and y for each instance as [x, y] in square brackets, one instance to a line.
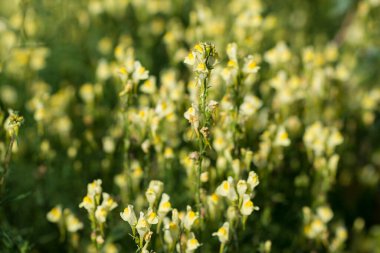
[237, 102]
[7, 160]
[221, 248]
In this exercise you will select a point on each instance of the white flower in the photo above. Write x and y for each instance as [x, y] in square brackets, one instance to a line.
[212, 105]
[139, 73]
[142, 225]
[253, 180]
[151, 196]
[226, 189]
[101, 214]
[87, 203]
[282, 138]
[55, 214]
[108, 203]
[151, 217]
[190, 59]
[316, 228]
[192, 244]
[73, 224]
[250, 65]
[157, 186]
[192, 116]
[232, 51]
[242, 187]
[335, 139]
[247, 206]
[189, 218]
[149, 86]
[94, 188]
[164, 207]
[223, 233]
[250, 105]
[129, 215]
[325, 213]
[279, 54]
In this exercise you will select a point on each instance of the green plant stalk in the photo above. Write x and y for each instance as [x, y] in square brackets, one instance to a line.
[201, 142]
[6, 162]
[221, 249]
[237, 102]
[126, 147]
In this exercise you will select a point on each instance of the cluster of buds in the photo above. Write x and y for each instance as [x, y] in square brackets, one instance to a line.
[240, 196]
[98, 205]
[203, 58]
[12, 123]
[67, 223]
[159, 207]
[131, 73]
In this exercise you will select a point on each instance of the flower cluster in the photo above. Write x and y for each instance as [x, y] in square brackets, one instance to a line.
[159, 207]
[203, 58]
[98, 205]
[131, 71]
[177, 231]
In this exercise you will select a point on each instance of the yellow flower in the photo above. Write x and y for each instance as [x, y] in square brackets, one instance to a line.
[55, 214]
[250, 65]
[164, 207]
[242, 187]
[192, 116]
[101, 214]
[151, 196]
[253, 180]
[87, 203]
[108, 203]
[325, 213]
[151, 217]
[73, 224]
[142, 225]
[232, 51]
[129, 215]
[282, 138]
[247, 206]
[201, 67]
[190, 59]
[189, 218]
[223, 233]
[192, 244]
[226, 189]
[94, 188]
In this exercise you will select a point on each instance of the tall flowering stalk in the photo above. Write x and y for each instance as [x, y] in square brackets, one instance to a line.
[202, 58]
[11, 125]
[131, 73]
[235, 74]
[98, 205]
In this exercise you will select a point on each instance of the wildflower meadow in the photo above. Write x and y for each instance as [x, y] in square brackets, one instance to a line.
[189, 126]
